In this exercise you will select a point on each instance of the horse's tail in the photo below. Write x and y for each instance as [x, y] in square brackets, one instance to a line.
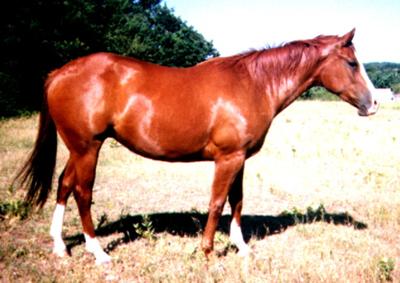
[37, 173]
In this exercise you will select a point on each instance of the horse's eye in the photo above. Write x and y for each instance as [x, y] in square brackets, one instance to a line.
[353, 64]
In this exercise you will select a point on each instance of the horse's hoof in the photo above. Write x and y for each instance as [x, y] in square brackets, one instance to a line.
[103, 259]
[60, 252]
[244, 251]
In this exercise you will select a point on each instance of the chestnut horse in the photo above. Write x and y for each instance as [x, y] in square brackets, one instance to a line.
[219, 110]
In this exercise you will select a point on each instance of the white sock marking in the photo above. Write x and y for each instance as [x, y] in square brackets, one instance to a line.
[93, 246]
[236, 237]
[59, 247]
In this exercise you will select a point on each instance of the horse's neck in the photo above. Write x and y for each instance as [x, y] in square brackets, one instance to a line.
[290, 89]
[285, 86]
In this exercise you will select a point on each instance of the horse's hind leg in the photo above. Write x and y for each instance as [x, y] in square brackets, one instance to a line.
[78, 178]
[65, 185]
[85, 169]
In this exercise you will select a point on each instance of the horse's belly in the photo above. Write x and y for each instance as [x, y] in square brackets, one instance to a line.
[163, 148]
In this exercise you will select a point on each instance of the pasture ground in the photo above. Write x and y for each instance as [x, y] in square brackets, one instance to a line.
[321, 204]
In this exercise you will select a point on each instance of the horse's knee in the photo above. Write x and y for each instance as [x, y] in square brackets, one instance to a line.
[65, 185]
[216, 208]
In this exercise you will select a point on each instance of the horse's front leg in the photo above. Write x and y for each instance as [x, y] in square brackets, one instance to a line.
[226, 170]
[236, 201]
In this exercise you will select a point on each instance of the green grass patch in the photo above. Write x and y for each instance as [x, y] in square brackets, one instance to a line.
[14, 208]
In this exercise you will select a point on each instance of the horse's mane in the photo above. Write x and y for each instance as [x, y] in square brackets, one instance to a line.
[276, 59]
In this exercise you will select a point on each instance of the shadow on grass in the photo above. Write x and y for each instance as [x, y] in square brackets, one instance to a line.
[191, 224]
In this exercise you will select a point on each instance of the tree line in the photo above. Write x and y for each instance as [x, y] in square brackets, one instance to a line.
[384, 75]
[39, 36]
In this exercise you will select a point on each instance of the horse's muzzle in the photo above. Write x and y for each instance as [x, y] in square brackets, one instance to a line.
[367, 110]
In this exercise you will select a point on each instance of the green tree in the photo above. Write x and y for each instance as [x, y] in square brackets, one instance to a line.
[384, 75]
[39, 36]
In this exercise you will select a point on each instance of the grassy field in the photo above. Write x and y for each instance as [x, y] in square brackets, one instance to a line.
[321, 204]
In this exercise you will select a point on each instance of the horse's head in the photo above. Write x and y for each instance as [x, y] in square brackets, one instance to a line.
[342, 74]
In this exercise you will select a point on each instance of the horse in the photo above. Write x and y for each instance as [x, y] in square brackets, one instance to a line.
[219, 110]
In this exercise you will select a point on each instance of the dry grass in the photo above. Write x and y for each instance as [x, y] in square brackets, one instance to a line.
[317, 153]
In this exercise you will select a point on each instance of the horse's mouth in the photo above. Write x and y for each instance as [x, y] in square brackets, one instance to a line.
[368, 111]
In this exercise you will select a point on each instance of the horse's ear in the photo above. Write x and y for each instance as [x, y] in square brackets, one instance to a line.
[342, 41]
[347, 39]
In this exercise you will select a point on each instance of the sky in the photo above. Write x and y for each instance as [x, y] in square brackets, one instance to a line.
[235, 26]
